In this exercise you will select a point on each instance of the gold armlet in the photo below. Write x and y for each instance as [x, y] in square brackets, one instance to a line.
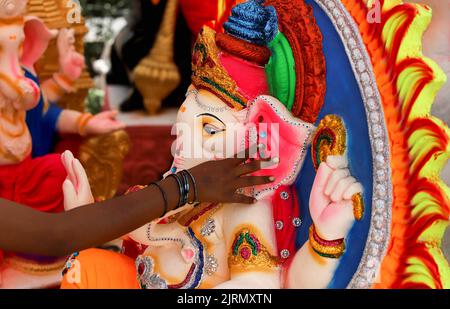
[248, 252]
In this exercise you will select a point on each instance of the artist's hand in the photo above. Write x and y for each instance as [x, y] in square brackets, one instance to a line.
[71, 62]
[218, 181]
[76, 188]
[331, 204]
[103, 123]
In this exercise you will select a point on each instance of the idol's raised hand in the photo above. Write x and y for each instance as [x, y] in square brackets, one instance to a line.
[76, 188]
[331, 204]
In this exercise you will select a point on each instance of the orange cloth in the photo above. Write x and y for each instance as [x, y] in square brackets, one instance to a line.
[101, 269]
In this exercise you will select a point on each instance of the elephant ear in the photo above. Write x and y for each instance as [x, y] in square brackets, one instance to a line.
[37, 38]
[280, 135]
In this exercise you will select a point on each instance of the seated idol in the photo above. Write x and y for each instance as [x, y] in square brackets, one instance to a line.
[24, 180]
[235, 245]
[29, 174]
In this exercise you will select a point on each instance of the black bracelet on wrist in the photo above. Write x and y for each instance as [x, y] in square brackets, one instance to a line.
[194, 185]
[186, 187]
[164, 195]
[180, 188]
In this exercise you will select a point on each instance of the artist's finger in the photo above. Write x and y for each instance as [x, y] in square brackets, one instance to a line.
[244, 155]
[251, 181]
[335, 178]
[337, 162]
[250, 167]
[242, 199]
[341, 187]
[352, 190]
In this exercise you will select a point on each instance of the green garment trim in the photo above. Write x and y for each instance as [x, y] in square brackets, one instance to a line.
[280, 71]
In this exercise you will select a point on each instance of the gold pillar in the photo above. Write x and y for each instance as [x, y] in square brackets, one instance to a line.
[102, 157]
[156, 76]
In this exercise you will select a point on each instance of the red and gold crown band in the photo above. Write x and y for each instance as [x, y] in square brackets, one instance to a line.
[333, 249]
[243, 49]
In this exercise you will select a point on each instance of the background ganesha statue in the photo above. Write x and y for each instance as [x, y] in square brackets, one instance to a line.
[29, 118]
[304, 81]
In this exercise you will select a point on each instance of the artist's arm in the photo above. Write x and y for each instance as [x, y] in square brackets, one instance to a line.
[331, 209]
[141, 235]
[25, 230]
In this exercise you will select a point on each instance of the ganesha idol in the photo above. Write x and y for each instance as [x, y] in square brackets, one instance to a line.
[354, 202]
[28, 118]
[28, 181]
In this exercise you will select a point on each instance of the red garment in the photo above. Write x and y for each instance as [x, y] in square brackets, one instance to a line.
[36, 183]
[286, 209]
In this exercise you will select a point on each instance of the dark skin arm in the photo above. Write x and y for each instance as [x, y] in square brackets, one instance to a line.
[25, 230]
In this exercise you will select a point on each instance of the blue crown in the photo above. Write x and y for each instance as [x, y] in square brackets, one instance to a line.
[253, 22]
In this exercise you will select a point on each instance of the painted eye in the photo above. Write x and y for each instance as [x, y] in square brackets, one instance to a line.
[211, 129]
